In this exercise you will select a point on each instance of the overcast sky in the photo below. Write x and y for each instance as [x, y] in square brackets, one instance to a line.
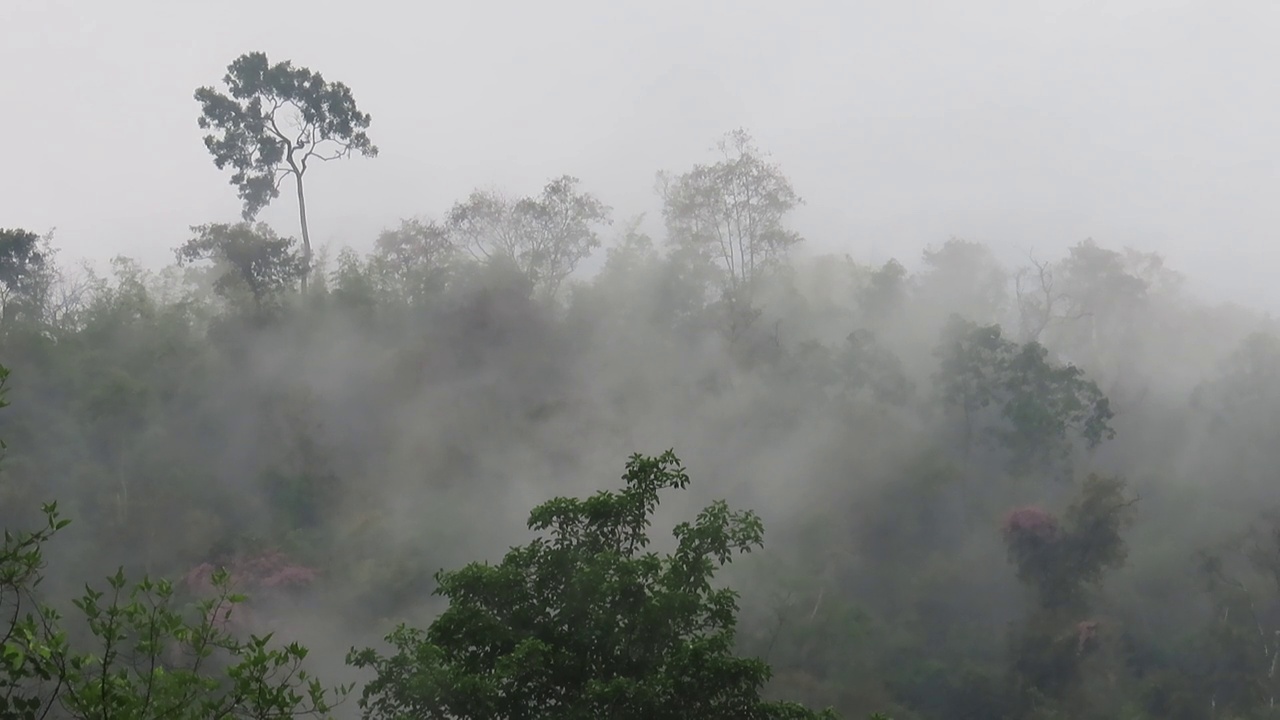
[1028, 125]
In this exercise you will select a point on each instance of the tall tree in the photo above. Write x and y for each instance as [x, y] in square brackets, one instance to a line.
[272, 122]
[732, 212]
[544, 236]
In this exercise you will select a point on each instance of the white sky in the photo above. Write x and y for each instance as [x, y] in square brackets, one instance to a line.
[1028, 125]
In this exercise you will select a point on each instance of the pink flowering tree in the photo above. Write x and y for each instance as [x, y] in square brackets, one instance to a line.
[269, 573]
[1061, 559]
[1033, 537]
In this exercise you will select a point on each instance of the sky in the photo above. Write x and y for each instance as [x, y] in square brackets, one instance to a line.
[1027, 125]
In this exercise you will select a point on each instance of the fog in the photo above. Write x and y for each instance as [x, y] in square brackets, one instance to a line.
[1024, 226]
[1028, 125]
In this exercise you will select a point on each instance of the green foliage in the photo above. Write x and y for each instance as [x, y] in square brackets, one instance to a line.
[585, 622]
[149, 659]
[276, 119]
[1049, 654]
[436, 385]
[33, 650]
[1040, 404]
[1062, 559]
[252, 259]
[731, 213]
[20, 257]
[544, 236]
[24, 262]
[142, 654]
[156, 661]
[273, 120]
[412, 262]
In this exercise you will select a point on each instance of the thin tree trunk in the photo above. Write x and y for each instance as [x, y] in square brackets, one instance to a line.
[306, 236]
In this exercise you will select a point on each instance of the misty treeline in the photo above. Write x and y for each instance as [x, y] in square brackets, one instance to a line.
[1045, 490]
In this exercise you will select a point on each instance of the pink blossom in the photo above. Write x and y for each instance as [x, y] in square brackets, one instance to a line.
[266, 572]
[271, 569]
[1086, 630]
[1030, 522]
[200, 578]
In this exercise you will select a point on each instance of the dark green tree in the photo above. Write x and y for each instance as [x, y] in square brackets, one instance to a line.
[585, 622]
[1015, 397]
[1044, 404]
[250, 258]
[1061, 560]
[272, 122]
[968, 373]
[23, 262]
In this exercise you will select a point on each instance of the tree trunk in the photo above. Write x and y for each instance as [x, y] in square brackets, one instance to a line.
[306, 237]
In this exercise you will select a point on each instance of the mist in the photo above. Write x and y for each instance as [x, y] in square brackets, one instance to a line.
[996, 257]
[1028, 126]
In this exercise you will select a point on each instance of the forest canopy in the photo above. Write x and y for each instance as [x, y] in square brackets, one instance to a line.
[1030, 490]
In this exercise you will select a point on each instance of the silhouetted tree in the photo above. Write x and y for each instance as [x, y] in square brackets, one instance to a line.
[272, 122]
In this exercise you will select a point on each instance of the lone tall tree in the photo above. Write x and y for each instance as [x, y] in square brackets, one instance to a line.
[274, 121]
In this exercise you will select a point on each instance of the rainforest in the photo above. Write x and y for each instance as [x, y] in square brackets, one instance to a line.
[526, 456]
